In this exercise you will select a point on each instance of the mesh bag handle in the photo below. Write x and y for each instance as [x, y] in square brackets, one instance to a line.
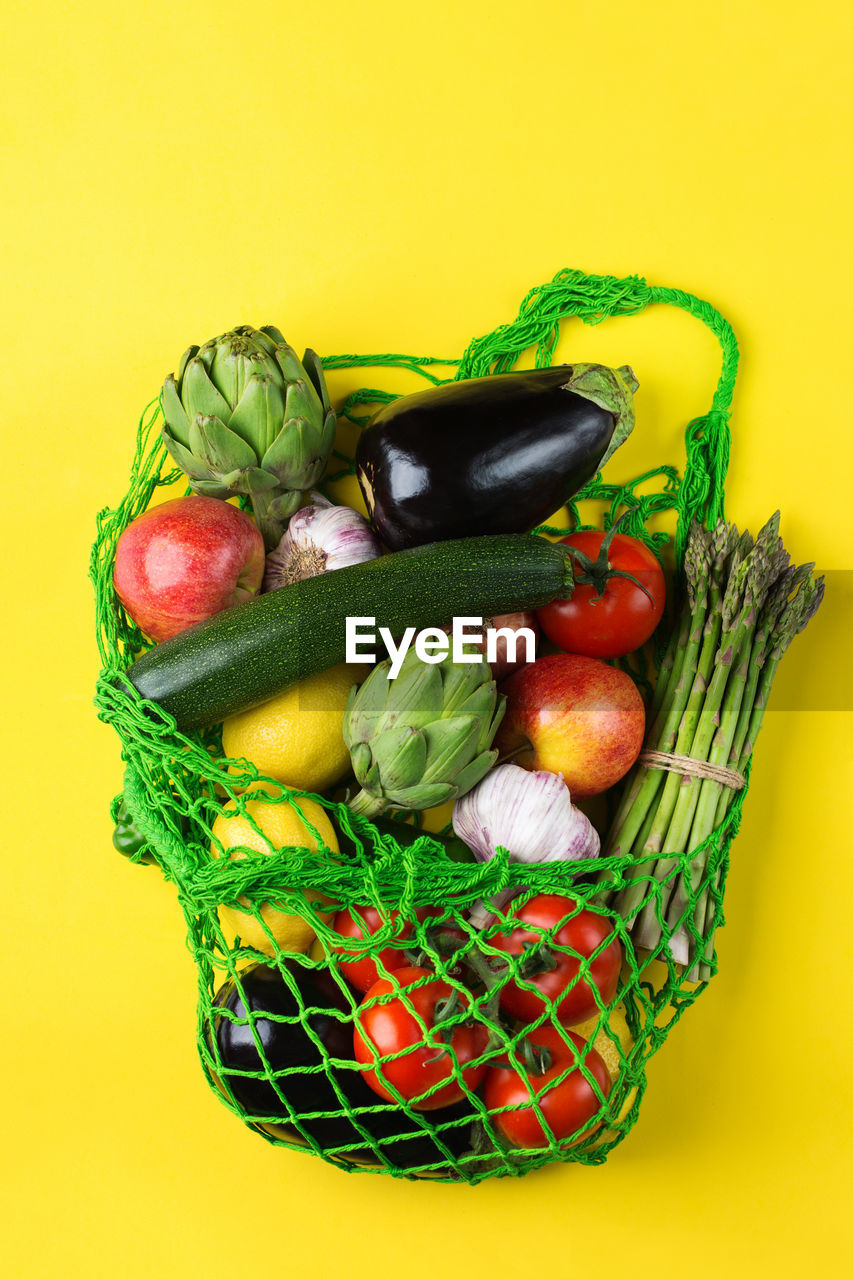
[592, 299]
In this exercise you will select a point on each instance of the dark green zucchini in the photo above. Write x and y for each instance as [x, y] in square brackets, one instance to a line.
[247, 654]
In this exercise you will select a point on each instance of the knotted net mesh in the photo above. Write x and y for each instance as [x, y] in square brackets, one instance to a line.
[275, 1026]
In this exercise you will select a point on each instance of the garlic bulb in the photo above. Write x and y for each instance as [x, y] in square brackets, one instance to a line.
[528, 813]
[318, 539]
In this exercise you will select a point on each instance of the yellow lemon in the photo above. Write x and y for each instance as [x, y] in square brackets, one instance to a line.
[317, 951]
[609, 1039]
[608, 1043]
[436, 819]
[297, 737]
[282, 826]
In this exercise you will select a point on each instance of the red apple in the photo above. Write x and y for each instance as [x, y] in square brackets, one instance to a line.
[575, 716]
[186, 560]
[502, 666]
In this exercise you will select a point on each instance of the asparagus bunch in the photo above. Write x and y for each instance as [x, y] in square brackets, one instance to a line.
[745, 602]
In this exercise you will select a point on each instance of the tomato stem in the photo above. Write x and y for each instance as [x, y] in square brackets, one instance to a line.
[536, 958]
[537, 1058]
[598, 572]
[491, 980]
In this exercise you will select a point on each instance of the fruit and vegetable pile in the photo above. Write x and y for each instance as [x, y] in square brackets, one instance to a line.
[447, 792]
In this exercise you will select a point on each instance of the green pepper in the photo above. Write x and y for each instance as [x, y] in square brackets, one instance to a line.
[128, 839]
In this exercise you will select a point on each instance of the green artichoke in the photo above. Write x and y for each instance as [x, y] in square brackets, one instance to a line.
[244, 416]
[424, 737]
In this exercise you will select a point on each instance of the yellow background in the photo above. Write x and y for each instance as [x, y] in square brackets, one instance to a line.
[379, 177]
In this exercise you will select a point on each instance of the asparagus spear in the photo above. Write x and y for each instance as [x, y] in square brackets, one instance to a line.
[642, 788]
[790, 620]
[744, 605]
[716, 798]
[777, 598]
[635, 893]
[673, 658]
[719, 719]
[648, 929]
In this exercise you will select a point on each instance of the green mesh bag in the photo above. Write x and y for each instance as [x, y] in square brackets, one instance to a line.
[176, 784]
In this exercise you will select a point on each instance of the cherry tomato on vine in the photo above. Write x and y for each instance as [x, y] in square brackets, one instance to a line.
[624, 617]
[389, 1027]
[566, 1105]
[553, 969]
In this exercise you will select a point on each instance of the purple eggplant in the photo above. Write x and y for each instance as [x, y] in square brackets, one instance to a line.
[280, 1049]
[490, 455]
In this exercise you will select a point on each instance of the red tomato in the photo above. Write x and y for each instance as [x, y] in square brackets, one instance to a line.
[385, 1025]
[579, 937]
[359, 969]
[624, 617]
[566, 1106]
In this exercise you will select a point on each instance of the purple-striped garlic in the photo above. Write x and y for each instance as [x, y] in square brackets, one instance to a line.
[528, 813]
[318, 539]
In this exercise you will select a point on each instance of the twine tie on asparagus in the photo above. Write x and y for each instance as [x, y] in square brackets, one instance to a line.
[670, 762]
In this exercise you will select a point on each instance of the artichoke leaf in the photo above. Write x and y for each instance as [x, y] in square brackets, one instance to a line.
[284, 455]
[460, 681]
[234, 481]
[259, 414]
[426, 795]
[220, 448]
[309, 475]
[362, 759]
[365, 706]
[474, 772]
[189, 354]
[199, 395]
[255, 480]
[327, 436]
[301, 448]
[401, 756]
[415, 696]
[491, 728]
[346, 727]
[289, 363]
[451, 745]
[270, 338]
[212, 488]
[189, 464]
[243, 480]
[303, 401]
[282, 507]
[313, 367]
[232, 367]
[206, 354]
[175, 413]
[481, 703]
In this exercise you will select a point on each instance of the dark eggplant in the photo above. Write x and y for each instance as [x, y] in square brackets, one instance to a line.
[281, 1024]
[490, 455]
